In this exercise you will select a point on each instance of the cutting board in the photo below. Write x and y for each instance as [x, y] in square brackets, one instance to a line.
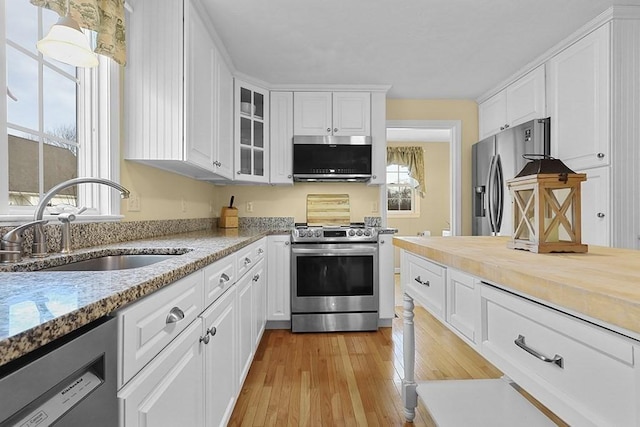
[328, 209]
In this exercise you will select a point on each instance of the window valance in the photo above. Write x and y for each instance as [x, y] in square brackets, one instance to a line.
[413, 159]
[105, 17]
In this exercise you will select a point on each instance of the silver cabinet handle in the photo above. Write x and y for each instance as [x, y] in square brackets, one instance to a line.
[506, 126]
[212, 331]
[600, 155]
[328, 129]
[381, 242]
[335, 129]
[425, 283]
[374, 176]
[289, 176]
[260, 251]
[256, 277]
[247, 261]
[600, 215]
[224, 279]
[557, 359]
[286, 243]
[205, 339]
[175, 315]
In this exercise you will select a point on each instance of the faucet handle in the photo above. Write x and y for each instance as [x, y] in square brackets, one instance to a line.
[11, 243]
[15, 235]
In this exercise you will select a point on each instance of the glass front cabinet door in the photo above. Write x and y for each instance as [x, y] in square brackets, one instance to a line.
[251, 132]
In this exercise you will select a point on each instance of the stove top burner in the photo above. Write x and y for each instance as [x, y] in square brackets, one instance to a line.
[356, 232]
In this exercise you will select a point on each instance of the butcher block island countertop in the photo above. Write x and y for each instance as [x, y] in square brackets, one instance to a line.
[601, 286]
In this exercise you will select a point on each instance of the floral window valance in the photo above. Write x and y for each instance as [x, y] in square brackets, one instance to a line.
[105, 17]
[413, 159]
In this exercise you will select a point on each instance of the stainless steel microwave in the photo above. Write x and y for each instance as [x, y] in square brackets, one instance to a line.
[331, 158]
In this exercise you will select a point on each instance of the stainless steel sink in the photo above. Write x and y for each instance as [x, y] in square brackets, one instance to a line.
[112, 262]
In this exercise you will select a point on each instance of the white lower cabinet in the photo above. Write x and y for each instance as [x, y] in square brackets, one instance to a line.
[386, 281]
[170, 390]
[259, 302]
[426, 280]
[186, 366]
[279, 278]
[220, 360]
[244, 319]
[587, 375]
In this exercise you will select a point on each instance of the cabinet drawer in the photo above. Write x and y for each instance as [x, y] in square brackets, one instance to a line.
[593, 380]
[426, 281]
[249, 256]
[148, 325]
[218, 277]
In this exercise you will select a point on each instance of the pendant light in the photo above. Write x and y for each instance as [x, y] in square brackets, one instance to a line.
[67, 43]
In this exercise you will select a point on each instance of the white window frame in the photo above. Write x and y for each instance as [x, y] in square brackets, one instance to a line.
[415, 199]
[99, 111]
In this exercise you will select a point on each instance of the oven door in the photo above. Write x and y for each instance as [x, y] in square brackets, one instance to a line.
[335, 277]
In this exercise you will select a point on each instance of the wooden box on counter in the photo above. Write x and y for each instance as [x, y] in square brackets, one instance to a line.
[228, 218]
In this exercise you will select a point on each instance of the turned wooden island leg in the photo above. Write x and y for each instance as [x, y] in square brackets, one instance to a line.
[409, 394]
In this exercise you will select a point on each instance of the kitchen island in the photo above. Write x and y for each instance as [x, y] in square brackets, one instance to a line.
[565, 327]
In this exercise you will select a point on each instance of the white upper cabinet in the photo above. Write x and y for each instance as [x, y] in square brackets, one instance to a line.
[521, 101]
[251, 133]
[579, 101]
[332, 113]
[281, 140]
[176, 95]
[595, 204]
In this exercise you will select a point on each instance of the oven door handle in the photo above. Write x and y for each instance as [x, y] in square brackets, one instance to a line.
[335, 251]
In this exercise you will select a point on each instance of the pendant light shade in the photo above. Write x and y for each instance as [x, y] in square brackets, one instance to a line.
[67, 43]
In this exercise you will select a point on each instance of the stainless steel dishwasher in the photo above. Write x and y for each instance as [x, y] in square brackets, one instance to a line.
[70, 382]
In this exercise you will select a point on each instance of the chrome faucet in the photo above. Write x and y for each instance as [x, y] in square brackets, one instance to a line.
[39, 248]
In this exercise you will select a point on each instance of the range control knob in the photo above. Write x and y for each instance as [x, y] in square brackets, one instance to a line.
[352, 232]
[367, 232]
[359, 232]
[302, 233]
[318, 233]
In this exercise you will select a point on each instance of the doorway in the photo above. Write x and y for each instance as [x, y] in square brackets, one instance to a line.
[432, 134]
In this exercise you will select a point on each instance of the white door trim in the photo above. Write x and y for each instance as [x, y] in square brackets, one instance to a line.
[455, 163]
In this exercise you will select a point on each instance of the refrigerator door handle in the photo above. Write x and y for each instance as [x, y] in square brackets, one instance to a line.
[491, 195]
[500, 200]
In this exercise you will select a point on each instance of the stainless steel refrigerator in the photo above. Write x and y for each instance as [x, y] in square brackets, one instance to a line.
[497, 159]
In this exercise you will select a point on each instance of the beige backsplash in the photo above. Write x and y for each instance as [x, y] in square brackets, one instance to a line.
[291, 201]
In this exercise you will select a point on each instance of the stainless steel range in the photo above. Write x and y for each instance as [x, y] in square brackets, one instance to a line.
[334, 278]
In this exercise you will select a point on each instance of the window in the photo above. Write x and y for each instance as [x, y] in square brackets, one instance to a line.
[54, 115]
[402, 198]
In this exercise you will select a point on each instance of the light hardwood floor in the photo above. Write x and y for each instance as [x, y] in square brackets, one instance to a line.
[348, 379]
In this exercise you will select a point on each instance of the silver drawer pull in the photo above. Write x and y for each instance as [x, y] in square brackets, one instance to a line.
[212, 331]
[247, 261]
[175, 315]
[260, 251]
[256, 277]
[205, 339]
[557, 359]
[425, 283]
[223, 279]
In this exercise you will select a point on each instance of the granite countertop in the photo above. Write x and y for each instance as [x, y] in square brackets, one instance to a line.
[601, 286]
[39, 307]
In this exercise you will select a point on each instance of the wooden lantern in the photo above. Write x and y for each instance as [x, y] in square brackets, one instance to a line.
[546, 208]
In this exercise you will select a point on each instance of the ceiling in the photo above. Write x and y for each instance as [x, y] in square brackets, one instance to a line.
[455, 49]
